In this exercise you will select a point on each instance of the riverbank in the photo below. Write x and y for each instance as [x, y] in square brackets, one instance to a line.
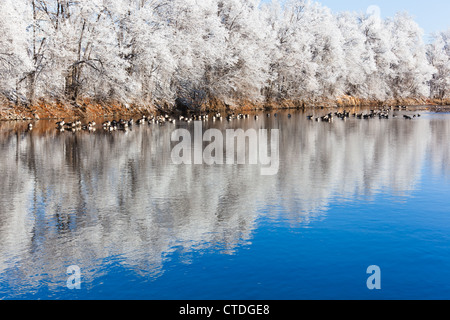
[86, 109]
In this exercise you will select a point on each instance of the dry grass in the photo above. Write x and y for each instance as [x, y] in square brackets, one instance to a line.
[87, 108]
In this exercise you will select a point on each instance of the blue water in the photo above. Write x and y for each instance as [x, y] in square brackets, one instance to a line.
[282, 244]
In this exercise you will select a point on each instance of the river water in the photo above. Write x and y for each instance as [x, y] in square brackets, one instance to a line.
[346, 195]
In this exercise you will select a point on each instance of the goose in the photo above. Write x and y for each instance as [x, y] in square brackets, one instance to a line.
[310, 117]
[123, 123]
[88, 127]
[70, 124]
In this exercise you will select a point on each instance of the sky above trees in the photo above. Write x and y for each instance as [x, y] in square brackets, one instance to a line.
[431, 15]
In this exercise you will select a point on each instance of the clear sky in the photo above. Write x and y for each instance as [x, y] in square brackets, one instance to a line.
[431, 15]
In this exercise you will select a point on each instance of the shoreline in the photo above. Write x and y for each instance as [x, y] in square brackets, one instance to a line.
[90, 110]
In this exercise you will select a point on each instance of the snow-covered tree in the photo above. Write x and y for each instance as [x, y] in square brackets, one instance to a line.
[153, 63]
[15, 53]
[438, 53]
[411, 72]
[155, 51]
[359, 60]
[295, 70]
[311, 60]
[379, 48]
[248, 44]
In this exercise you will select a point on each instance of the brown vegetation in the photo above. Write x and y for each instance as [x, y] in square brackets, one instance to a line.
[93, 109]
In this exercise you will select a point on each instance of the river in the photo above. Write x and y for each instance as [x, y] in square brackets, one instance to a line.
[346, 195]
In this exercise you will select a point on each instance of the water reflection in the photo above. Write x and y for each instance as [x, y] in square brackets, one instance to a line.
[84, 198]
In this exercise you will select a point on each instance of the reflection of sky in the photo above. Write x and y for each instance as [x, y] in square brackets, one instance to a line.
[109, 202]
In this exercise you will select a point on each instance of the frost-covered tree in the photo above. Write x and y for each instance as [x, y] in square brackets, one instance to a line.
[15, 53]
[327, 51]
[359, 60]
[196, 45]
[84, 52]
[379, 48]
[151, 52]
[295, 70]
[310, 63]
[248, 43]
[152, 62]
[438, 53]
[410, 72]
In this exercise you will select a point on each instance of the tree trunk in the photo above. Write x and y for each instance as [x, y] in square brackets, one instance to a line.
[72, 83]
[31, 84]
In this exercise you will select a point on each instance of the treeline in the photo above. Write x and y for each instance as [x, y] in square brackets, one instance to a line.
[146, 52]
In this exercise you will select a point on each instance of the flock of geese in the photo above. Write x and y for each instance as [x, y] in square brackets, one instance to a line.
[384, 113]
[125, 125]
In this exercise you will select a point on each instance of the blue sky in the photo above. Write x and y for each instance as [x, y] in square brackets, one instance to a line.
[431, 15]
